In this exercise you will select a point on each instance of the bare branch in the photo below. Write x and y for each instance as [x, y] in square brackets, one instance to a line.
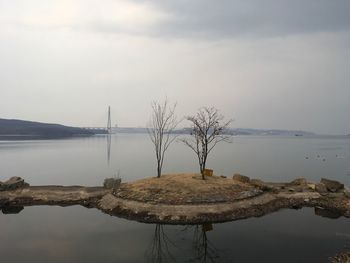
[160, 128]
[207, 130]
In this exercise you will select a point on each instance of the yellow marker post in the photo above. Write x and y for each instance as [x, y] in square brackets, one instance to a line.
[208, 172]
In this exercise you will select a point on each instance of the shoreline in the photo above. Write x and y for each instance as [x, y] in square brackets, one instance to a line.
[267, 198]
[264, 204]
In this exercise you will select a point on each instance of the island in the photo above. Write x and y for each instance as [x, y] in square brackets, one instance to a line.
[185, 198]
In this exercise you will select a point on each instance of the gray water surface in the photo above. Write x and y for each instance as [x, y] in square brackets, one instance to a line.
[85, 161]
[77, 234]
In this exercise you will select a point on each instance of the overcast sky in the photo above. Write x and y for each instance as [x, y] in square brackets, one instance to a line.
[267, 64]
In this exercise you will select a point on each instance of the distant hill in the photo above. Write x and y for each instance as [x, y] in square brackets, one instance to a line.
[237, 131]
[241, 131]
[20, 128]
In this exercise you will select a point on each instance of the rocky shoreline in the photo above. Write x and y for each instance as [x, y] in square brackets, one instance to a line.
[234, 198]
[332, 207]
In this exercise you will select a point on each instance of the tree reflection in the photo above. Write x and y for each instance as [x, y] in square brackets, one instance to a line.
[205, 251]
[161, 244]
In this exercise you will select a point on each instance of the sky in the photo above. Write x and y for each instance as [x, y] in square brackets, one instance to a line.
[267, 64]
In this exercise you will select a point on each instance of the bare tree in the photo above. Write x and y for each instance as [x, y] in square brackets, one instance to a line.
[160, 129]
[208, 128]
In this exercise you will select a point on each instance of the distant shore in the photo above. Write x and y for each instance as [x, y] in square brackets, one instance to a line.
[13, 129]
[39, 137]
[28, 130]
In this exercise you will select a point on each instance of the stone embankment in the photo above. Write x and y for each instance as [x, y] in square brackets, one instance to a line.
[185, 198]
[223, 199]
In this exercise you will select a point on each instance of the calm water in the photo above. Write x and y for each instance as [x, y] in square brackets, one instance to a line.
[77, 234]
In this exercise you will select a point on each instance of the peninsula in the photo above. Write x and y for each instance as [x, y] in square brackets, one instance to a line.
[185, 198]
[20, 129]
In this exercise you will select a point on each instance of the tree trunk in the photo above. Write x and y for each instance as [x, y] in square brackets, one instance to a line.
[202, 170]
[159, 170]
[159, 173]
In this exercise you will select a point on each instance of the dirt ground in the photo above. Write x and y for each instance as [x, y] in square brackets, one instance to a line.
[185, 189]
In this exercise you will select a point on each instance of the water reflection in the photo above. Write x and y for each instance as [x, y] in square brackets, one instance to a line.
[203, 250]
[200, 237]
[11, 209]
[320, 211]
[161, 246]
[76, 234]
[108, 137]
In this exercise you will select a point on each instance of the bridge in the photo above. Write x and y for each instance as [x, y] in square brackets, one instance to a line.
[103, 130]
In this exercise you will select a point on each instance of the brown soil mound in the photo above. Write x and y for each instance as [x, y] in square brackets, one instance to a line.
[186, 189]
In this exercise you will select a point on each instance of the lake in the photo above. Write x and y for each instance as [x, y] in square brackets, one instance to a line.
[77, 234]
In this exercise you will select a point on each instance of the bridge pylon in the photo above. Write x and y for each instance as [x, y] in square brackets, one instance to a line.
[109, 121]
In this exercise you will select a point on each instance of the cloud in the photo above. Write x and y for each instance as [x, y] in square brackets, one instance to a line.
[121, 16]
[253, 18]
[268, 64]
[181, 18]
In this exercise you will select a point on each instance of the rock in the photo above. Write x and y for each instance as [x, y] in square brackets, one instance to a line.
[299, 181]
[223, 176]
[112, 183]
[256, 182]
[346, 191]
[260, 185]
[249, 194]
[321, 188]
[346, 214]
[311, 186]
[13, 183]
[241, 178]
[343, 257]
[336, 195]
[320, 211]
[295, 189]
[332, 185]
